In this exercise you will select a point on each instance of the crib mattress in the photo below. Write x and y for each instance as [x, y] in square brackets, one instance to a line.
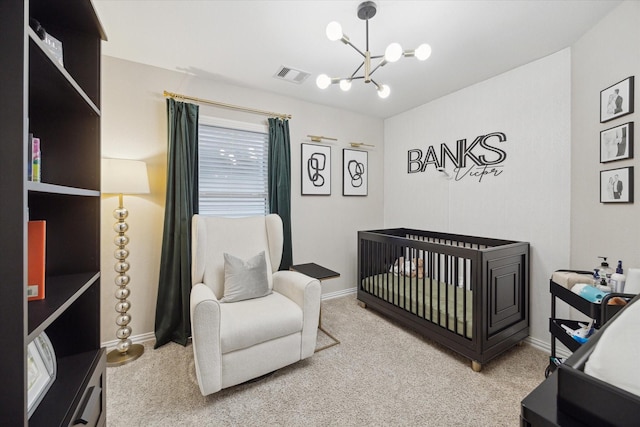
[420, 296]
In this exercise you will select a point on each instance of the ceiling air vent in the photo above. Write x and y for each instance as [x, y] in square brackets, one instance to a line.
[291, 75]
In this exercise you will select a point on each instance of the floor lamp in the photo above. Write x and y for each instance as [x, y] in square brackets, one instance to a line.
[120, 176]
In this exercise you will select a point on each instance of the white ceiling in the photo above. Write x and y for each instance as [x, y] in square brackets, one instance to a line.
[245, 42]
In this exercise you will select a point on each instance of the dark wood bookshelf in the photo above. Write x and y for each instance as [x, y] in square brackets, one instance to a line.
[60, 104]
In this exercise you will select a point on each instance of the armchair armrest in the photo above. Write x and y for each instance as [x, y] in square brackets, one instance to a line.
[205, 333]
[304, 291]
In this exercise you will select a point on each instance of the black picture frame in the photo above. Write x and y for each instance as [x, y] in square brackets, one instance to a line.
[616, 143]
[355, 172]
[617, 100]
[315, 174]
[611, 191]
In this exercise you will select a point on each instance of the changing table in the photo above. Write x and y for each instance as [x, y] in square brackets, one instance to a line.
[560, 286]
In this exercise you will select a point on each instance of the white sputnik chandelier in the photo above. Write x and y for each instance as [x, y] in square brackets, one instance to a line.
[366, 11]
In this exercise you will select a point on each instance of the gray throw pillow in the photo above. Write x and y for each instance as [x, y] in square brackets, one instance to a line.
[245, 279]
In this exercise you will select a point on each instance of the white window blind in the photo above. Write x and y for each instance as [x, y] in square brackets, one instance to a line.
[232, 171]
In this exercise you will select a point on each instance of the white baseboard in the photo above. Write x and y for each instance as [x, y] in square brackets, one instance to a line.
[135, 339]
[561, 351]
[338, 294]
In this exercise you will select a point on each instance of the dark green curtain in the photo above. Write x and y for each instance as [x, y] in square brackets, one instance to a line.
[280, 182]
[174, 287]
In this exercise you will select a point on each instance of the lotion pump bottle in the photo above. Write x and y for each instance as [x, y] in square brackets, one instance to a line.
[604, 272]
[618, 279]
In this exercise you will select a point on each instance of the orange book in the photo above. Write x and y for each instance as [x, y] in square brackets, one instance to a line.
[37, 234]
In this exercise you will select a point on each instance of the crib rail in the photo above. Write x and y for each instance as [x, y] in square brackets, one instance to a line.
[472, 242]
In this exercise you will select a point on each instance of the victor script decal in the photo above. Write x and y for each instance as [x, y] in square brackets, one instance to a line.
[483, 157]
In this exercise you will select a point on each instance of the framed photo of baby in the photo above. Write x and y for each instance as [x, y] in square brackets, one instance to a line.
[616, 185]
[616, 100]
[616, 143]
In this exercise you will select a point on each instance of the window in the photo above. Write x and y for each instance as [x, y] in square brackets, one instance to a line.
[232, 168]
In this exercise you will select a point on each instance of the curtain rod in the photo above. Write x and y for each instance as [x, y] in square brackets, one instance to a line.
[223, 105]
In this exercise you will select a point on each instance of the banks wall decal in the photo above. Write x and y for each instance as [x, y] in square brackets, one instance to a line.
[481, 158]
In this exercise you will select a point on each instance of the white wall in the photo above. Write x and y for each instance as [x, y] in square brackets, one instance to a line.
[527, 201]
[605, 55]
[324, 228]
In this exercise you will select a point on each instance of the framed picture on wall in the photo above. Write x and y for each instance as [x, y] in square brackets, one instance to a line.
[354, 172]
[616, 100]
[616, 143]
[316, 170]
[616, 185]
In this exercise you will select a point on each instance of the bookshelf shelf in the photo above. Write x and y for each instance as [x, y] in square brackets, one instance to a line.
[41, 187]
[60, 105]
[62, 292]
[59, 82]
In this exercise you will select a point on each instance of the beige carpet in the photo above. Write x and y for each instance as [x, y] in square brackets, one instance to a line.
[380, 375]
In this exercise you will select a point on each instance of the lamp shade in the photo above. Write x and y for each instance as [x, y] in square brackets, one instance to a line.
[120, 176]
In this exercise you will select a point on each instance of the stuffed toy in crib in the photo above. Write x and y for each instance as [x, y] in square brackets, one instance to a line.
[409, 268]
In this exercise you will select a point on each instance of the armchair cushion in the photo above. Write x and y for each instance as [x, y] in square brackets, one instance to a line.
[258, 320]
[245, 279]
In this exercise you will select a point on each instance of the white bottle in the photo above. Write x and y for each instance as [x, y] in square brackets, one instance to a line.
[617, 279]
[604, 272]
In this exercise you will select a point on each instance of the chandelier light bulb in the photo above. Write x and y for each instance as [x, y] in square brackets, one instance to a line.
[345, 84]
[323, 81]
[393, 52]
[384, 91]
[423, 52]
[334, 31]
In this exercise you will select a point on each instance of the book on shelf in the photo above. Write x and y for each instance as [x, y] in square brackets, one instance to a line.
[37, 249]
[53, 44]
[55, 47]
[35, 160]
[30, 155]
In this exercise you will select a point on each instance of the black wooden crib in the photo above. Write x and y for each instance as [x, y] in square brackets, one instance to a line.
[470, 294]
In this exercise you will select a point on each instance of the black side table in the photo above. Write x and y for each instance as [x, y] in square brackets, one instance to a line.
[321, 273]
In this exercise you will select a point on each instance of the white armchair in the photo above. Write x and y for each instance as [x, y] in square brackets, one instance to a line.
[234, 342]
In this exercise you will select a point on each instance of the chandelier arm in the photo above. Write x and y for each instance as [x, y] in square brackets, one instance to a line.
[354, 47]
[336, 80]
[357, 69]
[380, 64]
[376, 84]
